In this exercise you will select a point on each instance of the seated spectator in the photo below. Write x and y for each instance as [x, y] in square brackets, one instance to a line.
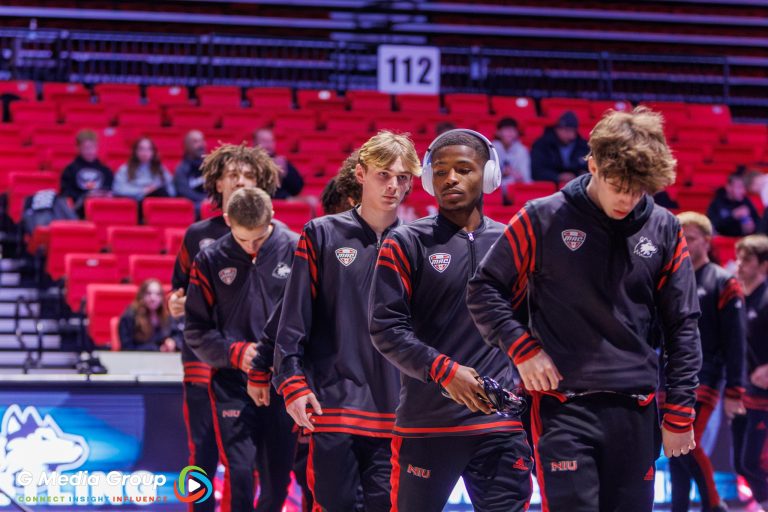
[731, 211]
[343, 191]
[663, 198]
[86, 176]
[291, 181]
[188, 180]
[143, 175]
[43, 208]
[513, 155]
[559, 154]
[757, 184]
[146, 324]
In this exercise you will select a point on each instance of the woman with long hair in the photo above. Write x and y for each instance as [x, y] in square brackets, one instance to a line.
[143, 174]
[146, 324]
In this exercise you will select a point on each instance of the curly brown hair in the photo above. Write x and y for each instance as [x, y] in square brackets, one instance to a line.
[215, 164]
[630, 149]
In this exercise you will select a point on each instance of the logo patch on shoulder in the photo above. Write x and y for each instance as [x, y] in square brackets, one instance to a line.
[228, 275]
[440, 261]
[573, 238]
[645, 248]
[282, 271]
[346, 255]
[205, 242]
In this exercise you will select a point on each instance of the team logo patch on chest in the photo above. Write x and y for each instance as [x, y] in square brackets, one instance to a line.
[346, 255]
[440, 261]
[645, 248]
[228, 275]
[205, 242]
[282, 271]
[573, 238]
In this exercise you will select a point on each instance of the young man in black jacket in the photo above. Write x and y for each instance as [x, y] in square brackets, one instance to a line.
[599, 272]
[86, 176]
[227, 169]
[558, 155]
[235, 285]
[722, 327]
[750, 432]
[324, 359]
[419, 321]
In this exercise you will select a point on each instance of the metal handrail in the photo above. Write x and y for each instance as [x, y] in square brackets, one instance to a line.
[31, 361]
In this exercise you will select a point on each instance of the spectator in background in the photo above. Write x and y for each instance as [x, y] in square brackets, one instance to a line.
[757, 184]
[188, 179]
[731, 211]
[343, 191]
[560, 154]
[291, 181]
[146, 324]
[86, 176]
[143, 175]
[513, 155]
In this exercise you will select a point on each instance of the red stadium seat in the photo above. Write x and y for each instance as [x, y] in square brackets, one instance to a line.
[710, 115]
[747, 134]
[219, 96]
[65, 91]
[111, 211]
[18, 160]
[157, 266]
[347, 123]
[695, 199]
[86, 115]
[118, 95]
[103, 302]
[81, 269]
[475, 104]
[418, 103]
[24, 184]
[598, 108]
[296, 122]
[521, 109]
[193, 118]
[697, 135]
[38, 241]
[323, 144]
[500, 213]
[167, 212]
[69, 237]
[293, 213]
[24, 89]
[369, 101]
[55, 136]
[400, 123]
[245, 121]
[320, 99]
[43, 113]
[174, 237]
[123, 241]
[141, 116]
[737, 154]
[553, 108]
[207, 210]
[167, 95]
[724, 248]
[270, 98]
[520, 193]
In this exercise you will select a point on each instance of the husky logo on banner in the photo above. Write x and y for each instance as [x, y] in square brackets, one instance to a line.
[346, 255]
[440, 261]
[228, 275]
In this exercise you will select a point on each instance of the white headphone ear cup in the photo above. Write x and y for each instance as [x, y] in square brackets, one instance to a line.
[491, 176]
[426, 180]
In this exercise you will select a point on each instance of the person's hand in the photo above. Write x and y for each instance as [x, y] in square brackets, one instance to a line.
[733, 407]
[759, 377]
[176, 302]
[259, 395]
[298, 411]
[676, 445]
[169, 345]
[465, 389]
[539, 373]
[250, 353]
[740, 212]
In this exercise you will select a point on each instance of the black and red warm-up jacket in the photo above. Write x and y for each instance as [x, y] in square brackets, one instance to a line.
[420, 322]
[323, 345]
[197, 237]
[722, 327]
[757, 345]
[601, 294]
[231, 296]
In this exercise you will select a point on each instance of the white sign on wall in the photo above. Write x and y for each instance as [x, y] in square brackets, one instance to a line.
[409, 69]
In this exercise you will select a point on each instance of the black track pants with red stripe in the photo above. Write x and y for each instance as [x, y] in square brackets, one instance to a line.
[595, 453]
[341, 463]
[695, 465]
[201, 436]
[251, 439]
[750, 451]
[496, 469]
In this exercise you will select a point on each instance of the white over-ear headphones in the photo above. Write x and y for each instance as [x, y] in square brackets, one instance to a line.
[491, 172]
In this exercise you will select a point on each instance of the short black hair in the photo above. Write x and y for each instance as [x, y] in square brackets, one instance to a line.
[464, 139]
[507, 122]
[332, 199]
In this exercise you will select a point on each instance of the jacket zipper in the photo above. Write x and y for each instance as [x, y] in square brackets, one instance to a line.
[471, 238]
